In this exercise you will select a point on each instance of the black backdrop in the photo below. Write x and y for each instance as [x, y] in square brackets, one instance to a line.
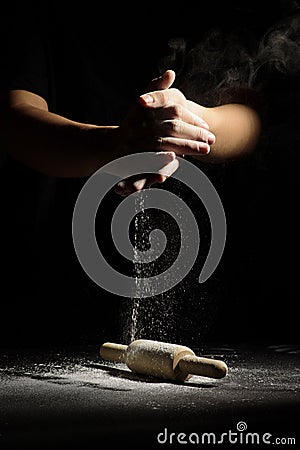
[253, 295]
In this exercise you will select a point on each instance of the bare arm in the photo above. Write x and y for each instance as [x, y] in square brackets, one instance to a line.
[50, 143]
[60, 147]
[237, 128]
[231, 130]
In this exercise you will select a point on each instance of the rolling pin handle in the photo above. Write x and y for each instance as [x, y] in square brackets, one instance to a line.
[205, 367]
[113, 352]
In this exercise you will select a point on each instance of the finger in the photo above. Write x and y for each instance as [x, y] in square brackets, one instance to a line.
[165, 81]
[129, 186]
[169, 169]
[125, 187]
[162, 159]
[160, 165]
[179, 112]
[148, 181]
[162, 98]
[178, 128]
[149, 162]
[183, 146]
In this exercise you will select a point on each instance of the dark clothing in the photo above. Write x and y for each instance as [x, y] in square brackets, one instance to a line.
[90, 70]
[89, 74]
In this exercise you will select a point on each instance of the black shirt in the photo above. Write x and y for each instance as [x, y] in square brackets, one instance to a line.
[89, 67]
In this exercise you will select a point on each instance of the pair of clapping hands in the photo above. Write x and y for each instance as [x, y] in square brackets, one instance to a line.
[163, 122]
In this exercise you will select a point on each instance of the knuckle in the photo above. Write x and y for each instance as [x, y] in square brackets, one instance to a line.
[161, 97]
[176, 111]
[177, 94]
[158, 141]
[174, 126]
[175, 91]
[203, 136]
[177, 126]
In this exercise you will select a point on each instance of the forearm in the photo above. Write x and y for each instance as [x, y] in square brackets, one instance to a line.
[54, 145]
[237, 129]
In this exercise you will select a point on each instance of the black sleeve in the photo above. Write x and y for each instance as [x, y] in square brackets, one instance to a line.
[23, 51]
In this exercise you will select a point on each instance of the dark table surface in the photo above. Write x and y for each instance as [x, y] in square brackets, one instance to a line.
[70, 397]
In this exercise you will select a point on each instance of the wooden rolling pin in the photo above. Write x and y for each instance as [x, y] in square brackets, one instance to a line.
[163, 360]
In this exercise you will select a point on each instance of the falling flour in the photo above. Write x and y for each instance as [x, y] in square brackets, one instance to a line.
[149, 317]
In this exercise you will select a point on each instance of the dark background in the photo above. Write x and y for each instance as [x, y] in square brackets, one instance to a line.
[46, 298]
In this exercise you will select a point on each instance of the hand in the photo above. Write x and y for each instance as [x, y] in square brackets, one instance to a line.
[164, 123]
[177, 127]
[165, 165]
[163, 120]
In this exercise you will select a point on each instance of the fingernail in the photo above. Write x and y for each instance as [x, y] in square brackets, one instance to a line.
[211, 138]
[147, 98]
[162, 179]
[205, 149]
[139, 184]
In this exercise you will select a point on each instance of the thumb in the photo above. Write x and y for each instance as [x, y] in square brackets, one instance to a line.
[163, 82]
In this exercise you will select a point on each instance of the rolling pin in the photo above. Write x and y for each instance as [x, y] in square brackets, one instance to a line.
[163, 360]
